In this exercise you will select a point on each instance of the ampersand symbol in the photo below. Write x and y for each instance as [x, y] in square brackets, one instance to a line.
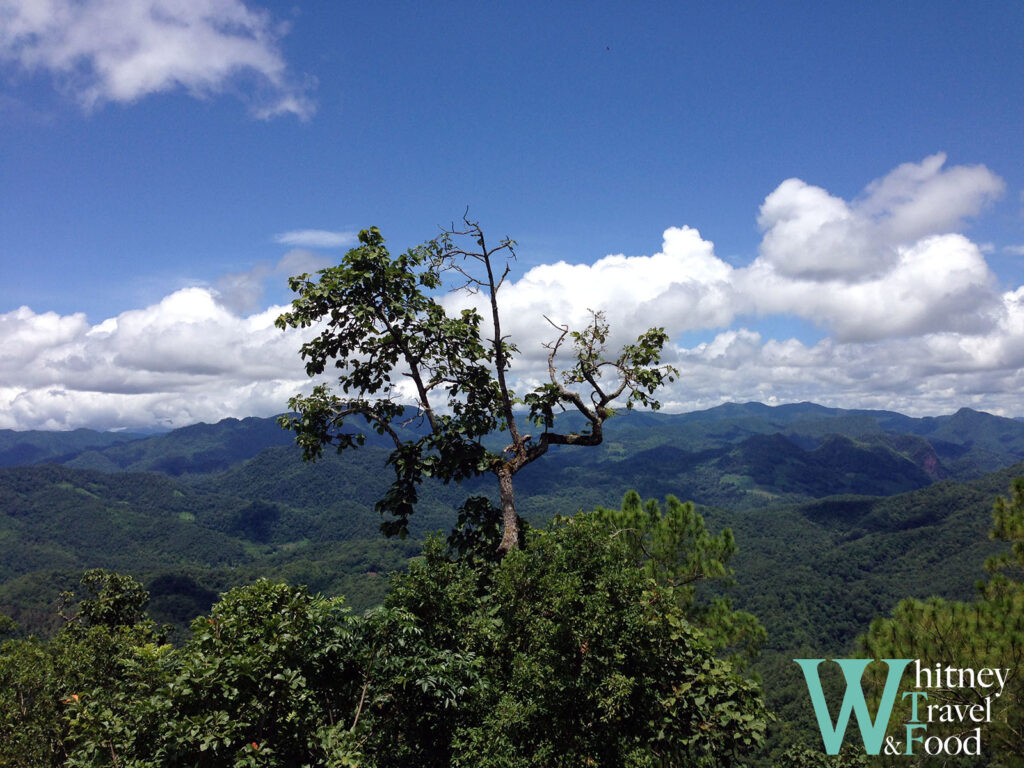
[892, 746]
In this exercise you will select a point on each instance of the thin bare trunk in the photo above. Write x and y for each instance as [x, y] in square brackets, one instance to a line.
[510, 523]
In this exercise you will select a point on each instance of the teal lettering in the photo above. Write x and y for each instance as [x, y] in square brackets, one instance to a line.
[911, 738]
[871, 732]
[913, 703]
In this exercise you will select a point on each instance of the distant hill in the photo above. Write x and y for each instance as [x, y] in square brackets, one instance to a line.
[56, 522]
[734, 456]
[816, 574]
[35, 446]
[963, 445]
[972, 442]
[231, 500]
[274, 515]
[197, 449]
[838, 514]
[766, 468]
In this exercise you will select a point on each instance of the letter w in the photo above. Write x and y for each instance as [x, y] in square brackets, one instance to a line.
[871, 733]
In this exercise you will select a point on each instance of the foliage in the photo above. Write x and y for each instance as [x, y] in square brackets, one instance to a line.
[29, 737]
[379, 318]
[267, 679]
[563, 653]
[799, 757]
[263, 681]
[1008, 526]
[81, 699]
[673, 547]
[988, 633]
[568, 654]
[113, 600]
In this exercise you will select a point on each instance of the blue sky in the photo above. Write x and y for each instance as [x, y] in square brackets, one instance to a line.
[154, 156]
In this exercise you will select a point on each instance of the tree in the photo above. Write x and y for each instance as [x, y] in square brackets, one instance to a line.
[673, 547]
[270, 678]
[380, 322]
[84, 697]
[988, 633]
[113, 600]
[563, 653]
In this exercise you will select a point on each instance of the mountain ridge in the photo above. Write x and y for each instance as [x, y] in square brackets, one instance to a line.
[970, 442]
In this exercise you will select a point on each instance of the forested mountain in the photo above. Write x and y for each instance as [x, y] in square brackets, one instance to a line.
[187, 543]
[965, 444]
[799, 484]
[35, 446]
[197, 449]
[838, 515]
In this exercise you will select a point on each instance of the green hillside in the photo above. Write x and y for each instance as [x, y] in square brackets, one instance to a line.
[809, 518]
[965, 444]
[36, 446]
[198, 449]
[837, 514]
[187, 543]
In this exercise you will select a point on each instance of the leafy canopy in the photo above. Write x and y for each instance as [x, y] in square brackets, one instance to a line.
[380, 324]
[988, 633]
[562, 653]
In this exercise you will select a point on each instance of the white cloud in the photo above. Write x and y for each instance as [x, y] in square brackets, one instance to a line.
[939, 283]
[683, 287]
[937, 373]
[912, 311]
[25, 335]
[810, 234]
[1014, 250]
[185, 359]
[123, 50]
[921, 328]
[822, 259]
[919, 199]
[316, 238]
[242, 292]
[299, 261]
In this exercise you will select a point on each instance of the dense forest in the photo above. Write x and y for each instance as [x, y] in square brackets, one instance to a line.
[831, 518]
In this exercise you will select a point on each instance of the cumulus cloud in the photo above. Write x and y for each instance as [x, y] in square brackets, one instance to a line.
[25, 335]
[683, 287]
[316, 238]
[187, 358]
[886, 264]
[123, 50]
[810, 234]
[919, 199]
[936, 373]
[939, 283]
[911, 315]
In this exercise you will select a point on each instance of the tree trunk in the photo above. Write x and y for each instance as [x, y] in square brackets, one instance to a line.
[510, 522]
